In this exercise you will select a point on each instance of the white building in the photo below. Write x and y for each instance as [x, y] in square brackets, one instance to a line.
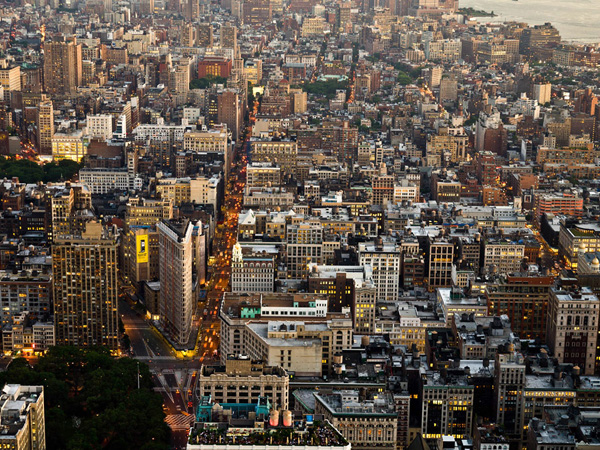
[105, 180]
[385, 259]
[100, 126]
[251, 273]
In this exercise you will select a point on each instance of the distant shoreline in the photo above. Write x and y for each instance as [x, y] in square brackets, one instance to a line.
[472, 12]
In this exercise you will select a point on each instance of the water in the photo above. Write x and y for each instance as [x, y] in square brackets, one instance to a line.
[576, 20]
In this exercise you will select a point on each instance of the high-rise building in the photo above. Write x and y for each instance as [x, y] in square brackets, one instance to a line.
[204, 35]
[146, 7]
[231, 111]
[85, 288]
[229, 36]
[251, 273]
[179, 253]
[440, 255]
[572, 330]
[447, 405]
[257, 11]
[304, 246]
[10, 79]
[45, 127]
[385, 259]
[509, 390]
[283, 153]
[62, 67]
[69, 208]
[524, 298]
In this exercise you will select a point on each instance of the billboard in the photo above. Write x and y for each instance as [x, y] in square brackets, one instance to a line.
[141, 246]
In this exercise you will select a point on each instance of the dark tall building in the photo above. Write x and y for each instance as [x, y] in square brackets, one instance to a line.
[62, 67]
[538, 36]
[85, 288]
[257, 11]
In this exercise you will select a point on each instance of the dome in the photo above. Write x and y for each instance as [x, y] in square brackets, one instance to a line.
[582, 246]
[595, 262]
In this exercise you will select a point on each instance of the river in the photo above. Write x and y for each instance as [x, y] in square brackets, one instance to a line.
[576, 20]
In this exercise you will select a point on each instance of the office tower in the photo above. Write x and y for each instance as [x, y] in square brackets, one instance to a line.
[85, 288]
[509, 389]
[146, 7]
[304, 245]
[257, 11]
[70, 208]
[204, 35]
[524, 298]
[23, 417]
[45, 127]
[10, 79]
[229, 36]
[348, 287]
[538, 36]
[447, 404]
[231, 111]
[440, 254]
[62, 67]
[191, 10]
[282, 152]
[573, 327]
[177, 303]
[384, 258]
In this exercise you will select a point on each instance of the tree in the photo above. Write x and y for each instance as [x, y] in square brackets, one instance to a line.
[92, 400]
[207, 81]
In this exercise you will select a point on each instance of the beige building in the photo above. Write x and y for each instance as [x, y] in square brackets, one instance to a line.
[45, 127]
[201, 190]
[27, 335]
[293, 331]
[572, 331]
[178, 297]
[243, 380]
[304, 246]
[503, 256]
[385, 259]
[282, 153]
[85, 288]
[68, 146]
[23, 424]
[10, 79]
[62, 67]
[147, 212]
[206, 141]
[364, 423]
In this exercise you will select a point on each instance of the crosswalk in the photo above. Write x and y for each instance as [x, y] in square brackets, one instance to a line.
[179, 421]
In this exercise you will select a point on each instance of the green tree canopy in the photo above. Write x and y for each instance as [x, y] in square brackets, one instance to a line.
[32, 172]
[207, 81]
[92, 400]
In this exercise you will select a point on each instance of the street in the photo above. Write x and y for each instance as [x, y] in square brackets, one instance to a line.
[173, 377]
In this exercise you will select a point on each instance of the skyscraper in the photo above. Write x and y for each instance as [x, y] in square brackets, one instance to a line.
[62, 67]
[85, 289]
[230, 111]
[179, 253]
[45, 127]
